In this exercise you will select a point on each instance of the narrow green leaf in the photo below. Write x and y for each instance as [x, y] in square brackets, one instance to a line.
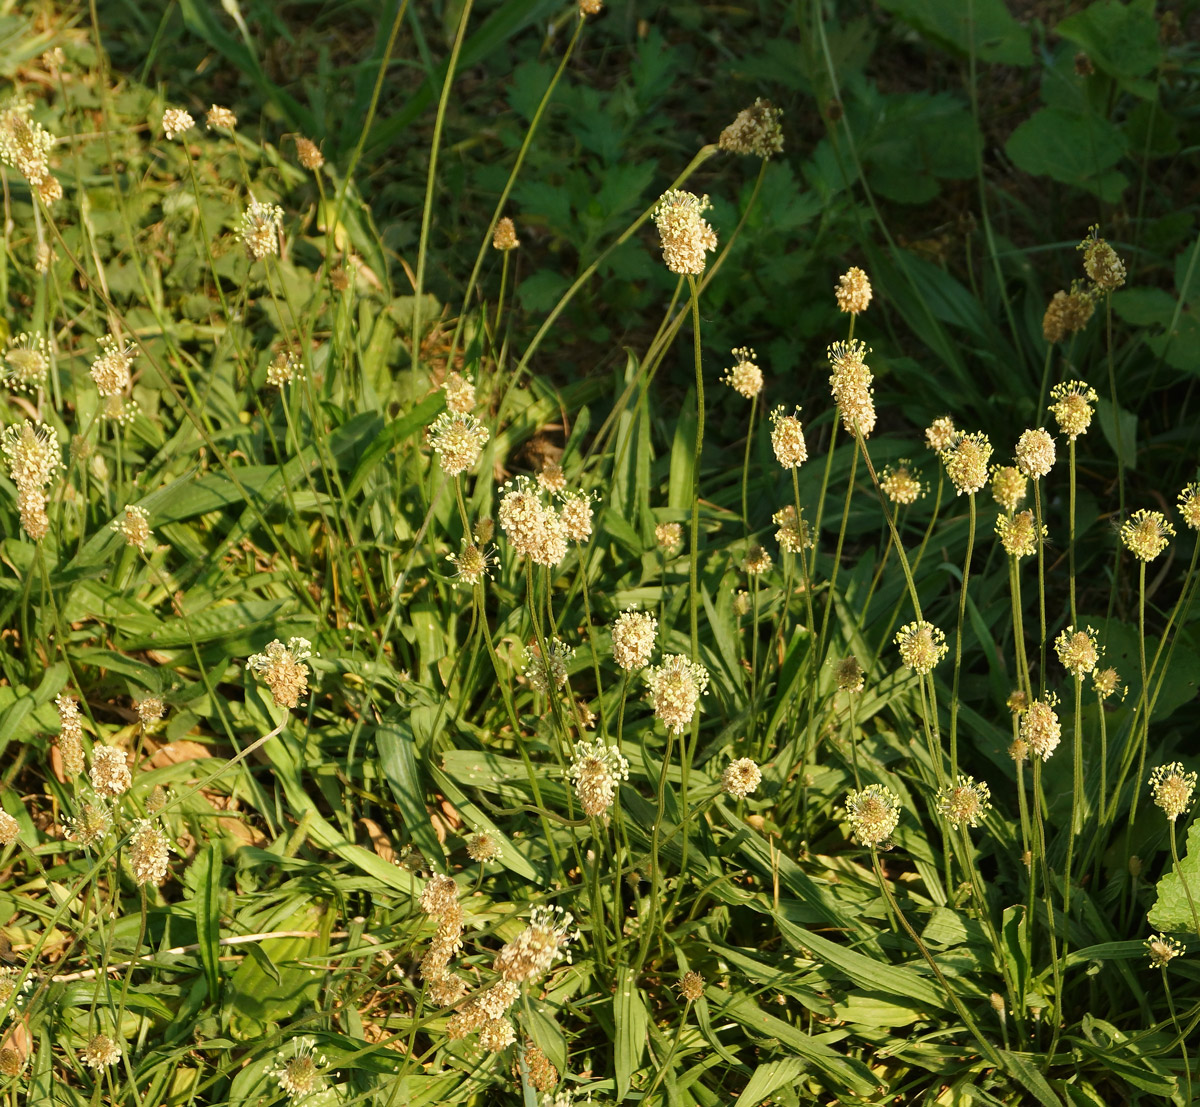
[207, 906]
[631, 1020]
[398, 758]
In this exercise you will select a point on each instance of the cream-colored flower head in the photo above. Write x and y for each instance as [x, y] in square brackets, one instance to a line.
[669, 538]
[220, 118]
[851, 385]
[745, 377]
[1035, 453]
[90, 826]
[1172, 788]
[1078, 651]
[756, 130]
[471, 565]
[966, 460]
[133, 525]
[757, 560]
[550, 672]
[1009, 486]
[1040, 727]
[596, 771]
[110, 771]
[300, 1073]
[849, 675]
[24, 144]
[531, 526]
[308, 154]
[483, 846]
[922, 646]
[576, 514]
[70, 745]
[741, 603]
[1073, 407]
[853, 291]
[149, 853]
[633, 635]
[691, 986]
[1101, 263]
[741, 777]
[504, 238]
[460, 393]
[532, 953]
[1163, 950]
[1146, 534]
[283, 368]
[177, 122]
[33, 457]
[872, 813]
[940, 433]
[260, 228]
[787, 438]
[590, 7]
[1067, 313]
[9, 828]
[150, 710]
[439, 896]
[793, 533]
[964, 803]
[111, 368]
[1018, 701]
[283, 669]
[101, 1052]
[676, 687]
[458, 441]
[552, 478]
[685, 234]
[1189, 505]
[1018, 534]
[26, 362]
[1106, 682]
[901, 483]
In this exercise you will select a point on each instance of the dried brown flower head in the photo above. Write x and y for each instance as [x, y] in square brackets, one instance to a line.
[1101, 263]
[589, 7]
[756, 130]
[685, 234]
[849, 675]
[1067, 313]
[691, 986]
[9, 828]
[542, 1075]
[308, 154]
[1018, 702]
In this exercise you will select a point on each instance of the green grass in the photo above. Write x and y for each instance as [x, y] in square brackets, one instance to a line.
[285, 430]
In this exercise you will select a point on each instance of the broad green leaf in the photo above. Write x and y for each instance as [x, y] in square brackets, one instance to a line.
[1172, 910]
[997, 36]
[767, 1078]
[1120, 36]
[1075, 148]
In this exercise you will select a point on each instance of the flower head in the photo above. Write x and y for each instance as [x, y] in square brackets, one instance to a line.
[576, 514]
[740, 778]
[552, 478]
[1009, 485]
[1035, 453]
[756, 130]
[792, 535]
[596, 771]
[110, 771]
[922, 646]
[542, 1075]
[1019, 534]
[1067, 313]
[873, 813]
[24, 144]
[745, 378]
[940, 433]
[460, 393]
[134, 526]
[69, 738]
[964, 803]
[482, 846]
[685, 234]
[221, 118]
[966, 461]
[531, 953]
[853, 291]
[149, 852]
[504, 238]
[1189, 505]
[534, 529]
[669, 538]
[587, 7]
[111, 367]
[787, 438]
[849, 674]
[549, 672]
[261, 226]
[851, 385]
[691, 986]
[1163, 950]
[9, 828]
[757, 560]
[676, 687]
[633, 634]
[301, 1072]
[308, 154]
[27, 361]
[1146, 533]
[1101, 263]
[1078, 651]
[1105, 682]
[33, 457]
[1040, 727]
[901, 483]
[283, 669]
[1172, 789]
[101, 1052]
[472, 565]
[283, 368]
[176, 122]
[458, 441]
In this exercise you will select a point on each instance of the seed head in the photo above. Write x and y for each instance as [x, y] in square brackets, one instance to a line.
[596, 771]
[1078, 651]
[1145, 534]
[9, 828]
[505, 235]
[1105, 682]
[792, 535]
[485, 530]
[111, 368]
[482, 846]
[940, 433]
[471, 566]
[542, 1075]
[669, 537]
[1019, 534]
[1189, 505]
[921, 645]
[850, 383]
[149, 852]
[901, 483]
[685, 234]
[787, 438]
[531, 953]
[576, 514]
[458, 441]
[691, 986]
[308, 154]
[1172, 789]
[966, 461]
[757, 560]
[27, 361]
[261, 226]
[11, 1062]
[1035, 453]
[1100, 262]
[24, 144]
[547, 673]
[283, 368]
[965, 803]
[676, 687]
[849, 675]
[134, 526]
[633, 634]
[740, 778]
[853, 291]
[110, 771]
[220, 118]
[300, 1073]
[756, 130]
[1163, 950]
[1067, 313]
[745, 377]
[1008, 486]
[101, 1052]
[283, 670]
[176, 122]
[1040, 727]
[873, 813]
